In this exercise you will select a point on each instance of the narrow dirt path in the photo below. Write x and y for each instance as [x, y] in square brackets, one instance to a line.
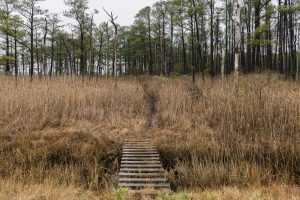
[194, 91]
[151, 108]
[151, 103]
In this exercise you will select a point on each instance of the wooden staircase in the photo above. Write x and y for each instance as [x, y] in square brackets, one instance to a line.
[141, 167]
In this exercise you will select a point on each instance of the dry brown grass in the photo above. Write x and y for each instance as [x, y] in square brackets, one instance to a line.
[263, 193]
[224, 138]
[55, 103]
[50, 191]
[66, 130]
[69, 131]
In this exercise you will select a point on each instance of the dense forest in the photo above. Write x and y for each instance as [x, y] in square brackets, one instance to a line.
[172, 37]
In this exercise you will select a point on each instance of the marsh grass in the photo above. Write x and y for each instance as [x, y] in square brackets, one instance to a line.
[69, 130]
[227, 138]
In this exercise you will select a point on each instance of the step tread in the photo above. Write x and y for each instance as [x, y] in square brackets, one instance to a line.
[163, 180]
[138, 147]
[151, 192]
[140, 162]
[139, 152]
[136, 143]
[140, 155]
[143, 185]
[141, 174]
[140, 158]
[142, 166]
[141, 170]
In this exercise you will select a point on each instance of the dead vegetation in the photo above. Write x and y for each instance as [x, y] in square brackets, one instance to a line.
[231, 139]
[67, 158]
[49, 191]
[69, 131]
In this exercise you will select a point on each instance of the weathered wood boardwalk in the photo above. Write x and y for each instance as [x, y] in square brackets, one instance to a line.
[141, 167]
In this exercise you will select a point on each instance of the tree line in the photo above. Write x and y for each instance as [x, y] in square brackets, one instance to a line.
[206, 37]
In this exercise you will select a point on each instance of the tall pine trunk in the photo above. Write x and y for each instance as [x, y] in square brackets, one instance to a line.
[237, 43]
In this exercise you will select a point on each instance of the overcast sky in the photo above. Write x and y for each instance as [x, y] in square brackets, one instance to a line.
[124, 9]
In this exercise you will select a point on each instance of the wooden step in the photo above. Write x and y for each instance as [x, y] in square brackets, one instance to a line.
[140, 158]
[144, 185]
[141, 170]
[131, 174]
[137, 169]
[142, 166]
[132, 142]
[140, 155]
[137, 143]
[139, 152]
[140, 162]
[143, 180]
[138, 149]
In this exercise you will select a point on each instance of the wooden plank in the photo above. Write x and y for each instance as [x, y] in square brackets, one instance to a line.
[144, 185]
[137, 169]
[141, 170]
[140, 155]
[132, 174]
[140, 159]
[136, 143]
[153, 192]
[140, 162]
[142, 166]
[139, 152]
[137, 149]
[159, 180]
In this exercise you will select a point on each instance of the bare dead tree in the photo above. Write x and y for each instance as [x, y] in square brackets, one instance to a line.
[112, 21]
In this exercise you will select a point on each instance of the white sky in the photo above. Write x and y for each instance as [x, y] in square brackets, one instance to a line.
[124, 9]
